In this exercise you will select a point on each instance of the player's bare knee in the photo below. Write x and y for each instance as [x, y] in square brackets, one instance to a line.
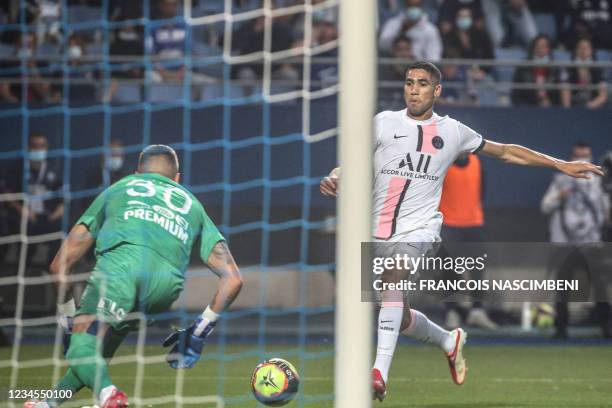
[406, 319]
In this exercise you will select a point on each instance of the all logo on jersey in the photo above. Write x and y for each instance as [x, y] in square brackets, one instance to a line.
[422, 165]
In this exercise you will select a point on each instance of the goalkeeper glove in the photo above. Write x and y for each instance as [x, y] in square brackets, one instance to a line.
[188, 343]
[65, 319]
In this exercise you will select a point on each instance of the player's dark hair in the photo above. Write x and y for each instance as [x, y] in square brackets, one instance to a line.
[159, 159]
[433, 71]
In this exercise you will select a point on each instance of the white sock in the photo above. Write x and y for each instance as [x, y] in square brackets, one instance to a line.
[389, 322]
[423, 329]
[105, 393]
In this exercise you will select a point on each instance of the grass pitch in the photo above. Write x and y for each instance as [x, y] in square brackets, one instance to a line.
[509, 376]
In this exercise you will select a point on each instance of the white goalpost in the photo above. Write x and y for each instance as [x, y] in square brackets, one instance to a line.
[357, 105]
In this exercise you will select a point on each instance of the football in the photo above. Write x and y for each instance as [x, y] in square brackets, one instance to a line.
[275, 382]
[543, 316]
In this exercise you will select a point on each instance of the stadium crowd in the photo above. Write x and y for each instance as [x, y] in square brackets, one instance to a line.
[110, 54]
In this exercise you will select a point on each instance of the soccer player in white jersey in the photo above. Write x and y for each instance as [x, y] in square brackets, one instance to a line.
[413, 149]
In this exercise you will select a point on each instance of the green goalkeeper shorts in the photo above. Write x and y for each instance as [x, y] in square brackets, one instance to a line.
[129, 279]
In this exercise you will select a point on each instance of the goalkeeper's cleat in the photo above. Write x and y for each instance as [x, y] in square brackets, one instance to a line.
[379, 388]
[456, 362]
[117, 399]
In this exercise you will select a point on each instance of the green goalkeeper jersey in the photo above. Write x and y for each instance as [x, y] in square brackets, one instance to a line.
[152, 211]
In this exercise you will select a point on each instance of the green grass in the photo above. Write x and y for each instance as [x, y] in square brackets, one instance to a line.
[498, 377]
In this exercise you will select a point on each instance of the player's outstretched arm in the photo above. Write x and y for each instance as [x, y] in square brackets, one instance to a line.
[329, 184]
[76, 244]
[517, 154]
[188, 343]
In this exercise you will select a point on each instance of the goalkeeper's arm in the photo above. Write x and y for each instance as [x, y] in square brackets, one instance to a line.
[222, 263]
[188, 343]
[76, 244]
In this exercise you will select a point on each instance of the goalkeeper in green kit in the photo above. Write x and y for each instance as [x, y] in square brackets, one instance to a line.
[144, 227]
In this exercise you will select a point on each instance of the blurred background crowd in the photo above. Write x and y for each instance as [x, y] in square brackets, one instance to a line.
[492, 52]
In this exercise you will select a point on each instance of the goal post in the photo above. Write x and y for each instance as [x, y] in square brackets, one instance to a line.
[356, 109]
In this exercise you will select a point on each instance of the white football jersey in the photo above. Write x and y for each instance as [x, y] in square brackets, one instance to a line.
[411, 159]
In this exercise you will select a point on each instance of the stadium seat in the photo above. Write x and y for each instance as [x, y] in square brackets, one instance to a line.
[47, 49]
[215, 91]
[546, 24]
[603, 55]
[128, 93]
[79, 14]
[562, 55]
[166, 93]
[505, 73]
[5, 50]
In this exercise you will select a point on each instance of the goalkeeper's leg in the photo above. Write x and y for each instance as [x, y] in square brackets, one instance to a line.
[71, 381]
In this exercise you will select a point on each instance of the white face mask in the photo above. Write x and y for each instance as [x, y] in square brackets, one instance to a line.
[75, 51]
[588, 159]
[114, 163]
[37, 155]
[24, 53]
[414, 13]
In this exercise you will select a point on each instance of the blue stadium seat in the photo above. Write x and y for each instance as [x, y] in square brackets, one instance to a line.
[48, 49]
[5, 50]
[215, 91]
[166, 93]
[505, 73]
[79, 14]
[94, 49]
[128, 93]
[546, 24]
[562, 55]
[603, 55]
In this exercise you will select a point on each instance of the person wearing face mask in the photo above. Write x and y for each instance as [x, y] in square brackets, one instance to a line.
[413, 23]
[589, 87]
[111, 167]
[578, 210]
[469, 41]
[449, 9]
[540, 50]
[44, 214]
[23, 61]
[81, 74]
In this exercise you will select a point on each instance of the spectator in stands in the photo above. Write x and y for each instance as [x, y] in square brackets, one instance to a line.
[448, 13]
[413, 23]
[588, 18]
[396, 72]
[469, 41]
[44, 215]
[459, 88]
[167, 42]
[539, 76]
[111, 167]
[578, 210]
[127, 49]
[82, 75]
[250, 39]
[38, 89]
[509, 22]
[591, 91]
